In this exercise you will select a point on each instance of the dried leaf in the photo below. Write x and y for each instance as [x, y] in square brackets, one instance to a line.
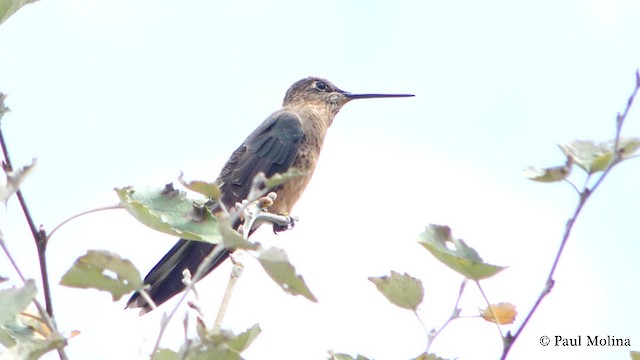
[505, 312]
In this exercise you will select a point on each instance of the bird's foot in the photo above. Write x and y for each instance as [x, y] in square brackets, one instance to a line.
[284, 227]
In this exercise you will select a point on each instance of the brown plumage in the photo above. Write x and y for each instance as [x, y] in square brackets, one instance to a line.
[290, 137]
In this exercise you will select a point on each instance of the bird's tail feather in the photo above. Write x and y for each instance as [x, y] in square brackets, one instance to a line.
[165, 279]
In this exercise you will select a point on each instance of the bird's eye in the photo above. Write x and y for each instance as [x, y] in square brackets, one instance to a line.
[321, 86]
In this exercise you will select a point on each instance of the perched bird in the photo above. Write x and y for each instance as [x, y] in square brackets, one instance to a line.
[290, 137]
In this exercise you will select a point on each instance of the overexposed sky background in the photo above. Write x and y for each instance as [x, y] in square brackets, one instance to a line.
[116, 93]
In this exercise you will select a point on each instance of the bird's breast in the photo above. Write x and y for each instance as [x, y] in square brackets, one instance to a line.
[290, 192]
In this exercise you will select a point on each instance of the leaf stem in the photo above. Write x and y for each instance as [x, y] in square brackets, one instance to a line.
[111, 207]
[493, 313]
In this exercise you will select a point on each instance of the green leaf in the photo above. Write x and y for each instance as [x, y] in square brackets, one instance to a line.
[279, 179]
[103, 270]
[401, 290]
[169, 211]
[35, 350]
[552, 174]
[166, 354]
[627, 146]
[9, 7]
[231, 238]
[13, 301]
[208, 189]
[463, 259]
[588, 155]
[14, 179]
[6, 339]
[208, 353]
[635, 355]
[276, 263]
[241, 342]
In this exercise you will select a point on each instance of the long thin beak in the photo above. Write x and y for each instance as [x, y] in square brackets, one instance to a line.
[372, 96]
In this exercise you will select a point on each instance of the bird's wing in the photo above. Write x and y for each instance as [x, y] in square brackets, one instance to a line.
[271, 149]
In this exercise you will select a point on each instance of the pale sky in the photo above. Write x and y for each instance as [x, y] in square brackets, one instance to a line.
[113, 93]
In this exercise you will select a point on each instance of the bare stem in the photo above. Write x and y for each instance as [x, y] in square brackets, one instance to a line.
[584, 196]
[455, 314]
[236, 272]
[112, 207]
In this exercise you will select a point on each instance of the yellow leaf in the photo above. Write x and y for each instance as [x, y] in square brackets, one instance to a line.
[505, 312]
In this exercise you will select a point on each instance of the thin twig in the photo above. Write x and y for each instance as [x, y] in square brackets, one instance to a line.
[584, 196]
[236, 272]
[455, 314]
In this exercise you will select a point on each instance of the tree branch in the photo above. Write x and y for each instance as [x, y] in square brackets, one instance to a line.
[40, 239]
[584, 196]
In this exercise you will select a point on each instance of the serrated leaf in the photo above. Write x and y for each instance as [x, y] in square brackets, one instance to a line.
[463, 259]
[14, 179]
[551, 174]
[9, 7]
[276, 263]
[242, 341]
[105, 271]
[171, 212]
[14, 300]
[401, 290]
[208, 189]
[505, 313]
[165, 354]
[588, 155]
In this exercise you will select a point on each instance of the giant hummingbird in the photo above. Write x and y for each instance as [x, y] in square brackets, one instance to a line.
[290, 137]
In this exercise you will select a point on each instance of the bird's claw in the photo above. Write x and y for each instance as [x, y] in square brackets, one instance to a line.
[288, 226]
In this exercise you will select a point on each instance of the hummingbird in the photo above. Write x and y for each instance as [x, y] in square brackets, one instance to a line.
[291, 137]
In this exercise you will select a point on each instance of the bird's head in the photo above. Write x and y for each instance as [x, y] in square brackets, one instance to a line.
[321, 93]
